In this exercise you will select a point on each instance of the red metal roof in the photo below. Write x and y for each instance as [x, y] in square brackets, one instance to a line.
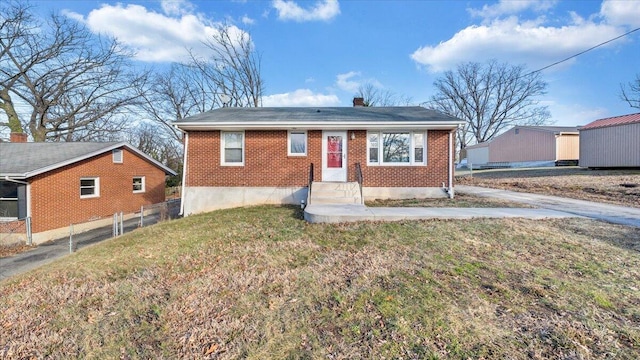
[612, 121]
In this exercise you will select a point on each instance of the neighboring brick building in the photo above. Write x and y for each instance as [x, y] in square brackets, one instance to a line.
[58, 184]
[247, 156]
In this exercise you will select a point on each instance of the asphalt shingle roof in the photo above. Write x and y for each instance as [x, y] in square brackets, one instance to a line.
[19, 159]
[318, 114]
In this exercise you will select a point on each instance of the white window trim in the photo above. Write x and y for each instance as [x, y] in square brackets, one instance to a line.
[96, 187]
[143, 182]
[289, 153]
[222, 162]
[113, 156]
[412, 152]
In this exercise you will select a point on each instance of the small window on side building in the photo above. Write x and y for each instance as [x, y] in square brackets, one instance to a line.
[89, 187]
[117, 156]
[138, 184]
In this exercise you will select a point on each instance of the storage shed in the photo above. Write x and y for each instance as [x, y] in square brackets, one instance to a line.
[611, 142]
[526, 146]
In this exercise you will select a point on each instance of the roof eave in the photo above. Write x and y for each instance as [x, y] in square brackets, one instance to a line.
[15, 176]
[52, 167]
[314, 125]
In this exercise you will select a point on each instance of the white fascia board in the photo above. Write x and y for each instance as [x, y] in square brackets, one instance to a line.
[366, 125]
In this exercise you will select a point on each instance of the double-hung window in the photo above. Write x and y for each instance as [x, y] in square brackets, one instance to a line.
[138, 184]
[396, 148]
[89, 187]
[232, 148]
[8, 200]
[297, 143]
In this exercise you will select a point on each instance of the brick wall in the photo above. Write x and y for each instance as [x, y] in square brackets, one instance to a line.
[431, 175]
[55, 196]
[267, 163]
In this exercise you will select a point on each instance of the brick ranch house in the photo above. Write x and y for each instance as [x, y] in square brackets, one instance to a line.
[58, 184]
[247, 156]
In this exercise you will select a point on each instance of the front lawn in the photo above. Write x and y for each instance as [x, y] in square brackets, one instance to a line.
[261, 283]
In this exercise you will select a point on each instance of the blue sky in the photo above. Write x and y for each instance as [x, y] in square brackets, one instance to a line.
[317, 53]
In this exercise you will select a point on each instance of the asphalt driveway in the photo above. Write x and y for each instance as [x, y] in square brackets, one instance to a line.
[52, 250]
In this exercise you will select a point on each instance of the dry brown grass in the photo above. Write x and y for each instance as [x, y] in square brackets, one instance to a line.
[461, 200]
[572, 182]
[261, 283]
[12, 249]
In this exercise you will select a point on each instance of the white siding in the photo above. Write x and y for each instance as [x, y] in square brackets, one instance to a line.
[478, 156]
[526, 145]
[612, 146]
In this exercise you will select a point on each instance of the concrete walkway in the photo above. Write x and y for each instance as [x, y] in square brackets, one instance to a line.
[337, 213]
[600, 211]
[547, 207]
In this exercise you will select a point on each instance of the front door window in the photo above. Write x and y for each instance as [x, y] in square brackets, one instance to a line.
[334, 151]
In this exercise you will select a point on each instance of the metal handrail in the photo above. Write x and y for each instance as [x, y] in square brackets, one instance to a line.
[310, 182]
[360, 179]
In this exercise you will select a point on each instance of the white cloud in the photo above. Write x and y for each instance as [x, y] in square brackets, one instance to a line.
[155, 37]
[176, 7]
[345, 82]
[510, 7]
[623, 13]
[247, 20]
[324, 10]
[300, 97]
[527, 42]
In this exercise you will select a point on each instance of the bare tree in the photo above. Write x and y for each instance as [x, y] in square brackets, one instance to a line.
[631, 92]
[75, 85]
[181, 91]
[233, 67]
[375, 96]
[160, 144]
[490, 97]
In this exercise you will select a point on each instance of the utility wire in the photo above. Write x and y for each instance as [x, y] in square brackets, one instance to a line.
[585, 51]
[557, 62]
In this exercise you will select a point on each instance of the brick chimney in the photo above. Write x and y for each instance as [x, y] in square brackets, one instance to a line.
[18, 137]
[358, 102]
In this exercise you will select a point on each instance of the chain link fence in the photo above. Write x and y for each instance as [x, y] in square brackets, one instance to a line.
[19, 231]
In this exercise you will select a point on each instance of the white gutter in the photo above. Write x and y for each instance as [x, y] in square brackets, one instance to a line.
[7, 178]
[184, 172]
[451, 156]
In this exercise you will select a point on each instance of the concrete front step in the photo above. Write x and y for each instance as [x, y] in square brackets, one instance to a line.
[328, 200]
[331, 186]
[335, 193]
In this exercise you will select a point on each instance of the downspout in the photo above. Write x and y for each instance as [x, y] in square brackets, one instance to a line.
[451, 155]
[184, 171]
